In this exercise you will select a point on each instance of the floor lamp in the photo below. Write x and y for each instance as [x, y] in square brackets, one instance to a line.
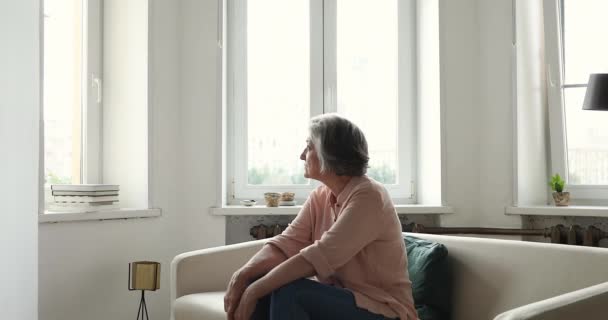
[596, 96]
[144, 275]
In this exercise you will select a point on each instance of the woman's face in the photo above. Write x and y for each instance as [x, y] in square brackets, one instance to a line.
[312, 168]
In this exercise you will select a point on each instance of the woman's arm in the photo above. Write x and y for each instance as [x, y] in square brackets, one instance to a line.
[292, 269]
[261, 263]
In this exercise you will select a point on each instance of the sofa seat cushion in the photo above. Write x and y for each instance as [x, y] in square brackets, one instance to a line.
[197, 306]
[431, 278]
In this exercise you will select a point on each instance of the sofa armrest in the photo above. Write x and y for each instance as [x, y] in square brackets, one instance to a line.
[209, 269]
[587, 303]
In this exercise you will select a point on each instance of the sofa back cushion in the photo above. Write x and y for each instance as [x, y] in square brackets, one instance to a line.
[430, 273]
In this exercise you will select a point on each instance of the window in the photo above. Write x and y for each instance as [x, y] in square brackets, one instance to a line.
[96, 131]
[578, 137]
[288, 61]
[72, 91]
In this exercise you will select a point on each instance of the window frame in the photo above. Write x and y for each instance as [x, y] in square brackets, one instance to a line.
[91, 93]
[92, 116]
[554, 55]
[323, 97]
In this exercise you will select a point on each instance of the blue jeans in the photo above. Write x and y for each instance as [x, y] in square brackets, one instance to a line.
[306, 299]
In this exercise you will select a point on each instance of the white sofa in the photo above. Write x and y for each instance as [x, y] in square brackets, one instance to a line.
[493, 279]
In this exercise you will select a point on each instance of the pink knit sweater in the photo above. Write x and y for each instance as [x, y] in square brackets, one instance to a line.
[354, 241]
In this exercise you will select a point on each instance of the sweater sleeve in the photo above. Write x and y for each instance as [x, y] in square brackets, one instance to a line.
[359, 223]
[298, 233]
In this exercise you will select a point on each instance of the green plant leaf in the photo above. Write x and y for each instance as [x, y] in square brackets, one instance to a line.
[557, 184]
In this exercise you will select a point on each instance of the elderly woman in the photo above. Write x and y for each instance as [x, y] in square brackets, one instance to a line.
[347, 235]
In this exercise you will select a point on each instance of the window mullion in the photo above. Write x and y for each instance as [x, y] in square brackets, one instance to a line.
[92, 93]
[317, 62]
[317, 86]
[407, 98]
[237, 94]
[554, 60]
[330, 65]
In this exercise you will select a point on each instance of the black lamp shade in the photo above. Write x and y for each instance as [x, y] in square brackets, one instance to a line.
[596, 97]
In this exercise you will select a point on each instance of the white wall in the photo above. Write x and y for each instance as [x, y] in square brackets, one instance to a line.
[459, 54]
[125, 99]
[20, 98]
[199, 60]
[476, 71]
[496, 114]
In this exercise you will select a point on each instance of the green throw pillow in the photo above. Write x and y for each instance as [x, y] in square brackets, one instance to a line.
[429, 271]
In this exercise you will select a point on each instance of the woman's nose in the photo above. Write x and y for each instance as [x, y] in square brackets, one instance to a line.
[303, 155]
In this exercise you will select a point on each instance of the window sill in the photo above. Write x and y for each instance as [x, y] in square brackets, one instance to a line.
[54, 217]
[277, 211]
[570, 211]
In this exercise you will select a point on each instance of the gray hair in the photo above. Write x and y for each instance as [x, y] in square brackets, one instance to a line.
[340, 145]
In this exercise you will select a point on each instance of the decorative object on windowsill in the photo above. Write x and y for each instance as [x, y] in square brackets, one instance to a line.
[144, 275]
[560, 197]
[596, 96]
[248, 203]
[272, 199]
[287, 199]
[84, 197]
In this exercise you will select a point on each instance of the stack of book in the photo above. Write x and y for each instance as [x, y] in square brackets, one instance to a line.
[84, 197]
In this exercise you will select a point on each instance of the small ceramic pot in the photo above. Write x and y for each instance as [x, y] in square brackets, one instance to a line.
[562, 199]
[287, 196]
[272, 199]
[248, 203]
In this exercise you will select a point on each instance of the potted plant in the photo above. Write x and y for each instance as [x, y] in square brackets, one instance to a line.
[560, 197]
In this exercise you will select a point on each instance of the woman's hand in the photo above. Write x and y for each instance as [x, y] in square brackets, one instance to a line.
[236, 287]
[246, 306]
